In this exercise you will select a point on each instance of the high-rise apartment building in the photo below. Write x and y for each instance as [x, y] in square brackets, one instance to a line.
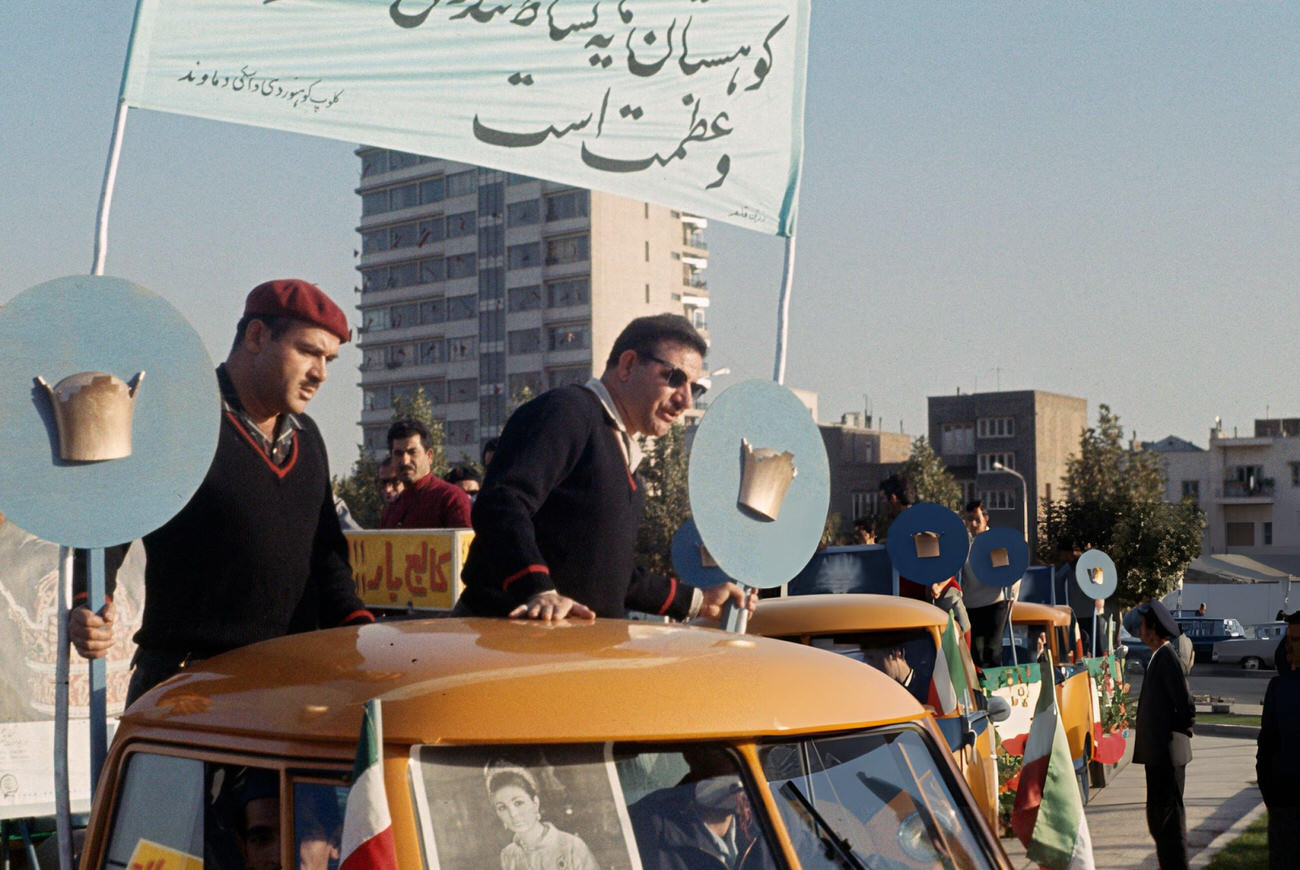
[484, 287]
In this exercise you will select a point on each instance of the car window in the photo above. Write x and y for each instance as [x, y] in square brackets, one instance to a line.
[587, 807]
[160, 806]
[874, 799]
[906, 656]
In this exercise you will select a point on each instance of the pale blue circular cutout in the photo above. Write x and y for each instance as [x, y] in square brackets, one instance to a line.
[755, 551]
[981, 557]
[94, 323]
[954, 543]
[687, 561]
[1083, 570]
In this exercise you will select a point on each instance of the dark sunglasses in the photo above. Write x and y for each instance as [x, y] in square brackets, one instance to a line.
[676, 377]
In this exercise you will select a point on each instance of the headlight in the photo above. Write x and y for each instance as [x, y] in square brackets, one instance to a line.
[915, 842]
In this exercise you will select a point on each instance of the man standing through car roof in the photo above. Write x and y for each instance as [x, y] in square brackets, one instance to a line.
[556, 521]
[257, 552]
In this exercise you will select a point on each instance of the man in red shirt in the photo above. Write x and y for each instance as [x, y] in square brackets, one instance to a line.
[427, 501]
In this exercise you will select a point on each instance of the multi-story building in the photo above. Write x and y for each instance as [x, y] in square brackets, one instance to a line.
[860, 458]
[987, 439]
[484, 287]
[1248, 486]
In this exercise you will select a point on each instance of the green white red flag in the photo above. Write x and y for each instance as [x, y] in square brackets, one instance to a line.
[367, 842]
[948, 686]
[1048, 813]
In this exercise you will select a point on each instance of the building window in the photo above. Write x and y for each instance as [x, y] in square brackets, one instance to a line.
[461, 224]
[492, 199]
[513, 178]
[524, 298]
[524, 256]
[492, 411]
[376, 438]
[998, 499]
[375, 399]
[404, 315]
[433, 351]
[461, 431]
[374, 320]
[491, 283]
[863, 504]
[525, 384]
[570, 204]
[431, 230]
[433, 271]
[492, 241]
[492, 326]
[997, 427]
[957, 439]
[574, 336]
[523, 214]
[1268, 534]
[433, 311]
[461, 349]
[492, 368]
[987, 460]
[1239, 534]
[1192, 490]
[462, 307]
[462, 265]
[968, 491]
[461, 183]
[462, 390]
[568, 375]
[432, 190]
[525, 340]
[574, 291]
[436, 391]
[567, 249]
[1295, 473]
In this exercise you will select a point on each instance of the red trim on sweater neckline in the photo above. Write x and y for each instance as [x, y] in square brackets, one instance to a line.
[280, 471]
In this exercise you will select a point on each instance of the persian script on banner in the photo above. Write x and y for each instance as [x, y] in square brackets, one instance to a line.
[696, 105]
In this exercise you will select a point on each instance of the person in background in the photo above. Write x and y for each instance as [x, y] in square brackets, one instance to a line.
[390, 485]
[427, 501]
[988, 607]
[864, 530]
[1277, 758]
[467, 477]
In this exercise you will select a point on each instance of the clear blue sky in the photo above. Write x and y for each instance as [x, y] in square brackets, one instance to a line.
[1098, 199]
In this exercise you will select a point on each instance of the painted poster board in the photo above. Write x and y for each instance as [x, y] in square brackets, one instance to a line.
[409, 569]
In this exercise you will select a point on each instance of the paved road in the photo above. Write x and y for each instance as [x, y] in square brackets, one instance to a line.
[1220, 797]
[1220, 681]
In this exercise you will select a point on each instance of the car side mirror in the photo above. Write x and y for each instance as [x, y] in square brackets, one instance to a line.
[999, 708]
[1121, 651]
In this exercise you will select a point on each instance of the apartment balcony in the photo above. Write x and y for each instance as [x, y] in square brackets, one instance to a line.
[697, 281]
[696, 241]
[1258, 491]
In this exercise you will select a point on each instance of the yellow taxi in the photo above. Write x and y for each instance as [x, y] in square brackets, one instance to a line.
[1036, 629]
[902, 638]
[511, 744]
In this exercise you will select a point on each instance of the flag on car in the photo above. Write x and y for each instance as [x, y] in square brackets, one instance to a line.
[367, 842]
[949, 683]
[1048, 813]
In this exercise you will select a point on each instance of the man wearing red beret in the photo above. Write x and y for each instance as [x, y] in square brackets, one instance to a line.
[257, 553]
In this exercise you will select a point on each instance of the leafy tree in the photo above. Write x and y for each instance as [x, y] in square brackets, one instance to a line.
[360, 489]
[929, 477]
[667, 500]
[1114, 502]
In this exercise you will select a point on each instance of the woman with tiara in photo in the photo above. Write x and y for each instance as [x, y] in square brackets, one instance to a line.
[536, 845]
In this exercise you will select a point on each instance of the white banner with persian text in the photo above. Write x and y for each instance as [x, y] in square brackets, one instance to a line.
[694, 104]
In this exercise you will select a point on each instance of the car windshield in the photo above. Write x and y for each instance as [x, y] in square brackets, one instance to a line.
[1232, 628]
[587, 806]
[906, 656]
[873, 799]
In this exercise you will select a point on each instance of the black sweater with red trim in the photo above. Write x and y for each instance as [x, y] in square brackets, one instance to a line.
[256, 553]
[559, 510]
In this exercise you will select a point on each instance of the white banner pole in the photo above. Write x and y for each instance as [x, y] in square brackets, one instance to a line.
[106, 193]
[783, 311]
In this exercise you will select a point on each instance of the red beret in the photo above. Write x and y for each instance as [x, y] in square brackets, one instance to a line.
[299, 300]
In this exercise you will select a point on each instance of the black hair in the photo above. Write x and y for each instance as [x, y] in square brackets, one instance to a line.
[278, 326]
[974, 504]
[867, 524]
[898, 486]
[645, 335]
[405, 429]
[463, 472]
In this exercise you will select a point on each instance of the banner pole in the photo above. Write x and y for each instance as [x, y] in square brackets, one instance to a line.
[62, 796]
[783, 311]
[106, 193]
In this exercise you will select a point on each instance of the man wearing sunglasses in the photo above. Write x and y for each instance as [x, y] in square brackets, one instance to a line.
[556, 521]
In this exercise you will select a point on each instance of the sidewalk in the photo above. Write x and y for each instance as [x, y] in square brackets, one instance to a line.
[1220, 793]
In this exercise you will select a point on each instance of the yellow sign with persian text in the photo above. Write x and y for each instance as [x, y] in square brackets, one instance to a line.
[155, 856]
[417, 569]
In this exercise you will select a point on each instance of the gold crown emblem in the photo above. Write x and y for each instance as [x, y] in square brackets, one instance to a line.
[93, 412]
[1097, 575]
[765, 478]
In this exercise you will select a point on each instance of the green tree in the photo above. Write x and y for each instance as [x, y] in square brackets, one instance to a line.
[667, 500]
[1114, 502]
[360, 488]
[930, 478]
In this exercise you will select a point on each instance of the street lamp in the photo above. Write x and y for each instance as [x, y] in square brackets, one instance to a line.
[1024, 497]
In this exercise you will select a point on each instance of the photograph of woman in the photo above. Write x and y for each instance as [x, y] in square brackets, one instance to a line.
[535, 844]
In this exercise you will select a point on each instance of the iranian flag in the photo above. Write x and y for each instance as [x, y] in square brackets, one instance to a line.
[949, 683]
[1048, 815]
[367, 826]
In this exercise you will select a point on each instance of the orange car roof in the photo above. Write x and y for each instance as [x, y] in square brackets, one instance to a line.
[1027, 611]
[477, 681]
[834, 612]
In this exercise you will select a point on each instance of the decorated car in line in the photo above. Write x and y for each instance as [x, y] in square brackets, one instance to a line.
[904, 639]
[596, 744]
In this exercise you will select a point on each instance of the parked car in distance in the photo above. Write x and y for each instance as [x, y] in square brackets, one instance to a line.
[1206, 631]
[1253, 652]
[606, 733]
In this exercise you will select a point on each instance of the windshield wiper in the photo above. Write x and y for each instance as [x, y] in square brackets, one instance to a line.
[840, 844]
